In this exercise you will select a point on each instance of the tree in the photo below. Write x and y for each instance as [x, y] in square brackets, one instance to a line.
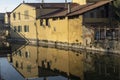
[116, 10]
[116, 15]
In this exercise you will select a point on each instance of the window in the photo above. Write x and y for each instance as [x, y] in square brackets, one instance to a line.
[16, 64]
[102, 12]
[97, 35]
[26, 14]
[21, 65]
[91, 14]
[54, 19]
[19, 16]
[14, 16]
[19, 28]
[27, 54]
[41, 22]
[15, 29]
[109, 34]
[47, 22]
[28, 68]
[73, 17]
[26, 28]
[62, 18]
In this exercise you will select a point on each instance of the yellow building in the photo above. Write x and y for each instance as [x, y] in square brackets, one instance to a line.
[7, 23]
[23, 19]
[74, 25]
[7, 18]
[77, 23]
[24, 59]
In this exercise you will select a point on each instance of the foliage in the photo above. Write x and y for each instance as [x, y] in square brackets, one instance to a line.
[116, 9]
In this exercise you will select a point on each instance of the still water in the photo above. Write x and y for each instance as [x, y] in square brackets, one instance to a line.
[26, 62]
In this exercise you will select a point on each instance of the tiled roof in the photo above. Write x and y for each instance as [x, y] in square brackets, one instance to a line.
[89, 7]
[46, 5]
[76, 10]
[49, 5]
[59, 12]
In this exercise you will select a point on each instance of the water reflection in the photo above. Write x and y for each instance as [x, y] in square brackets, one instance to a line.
[40, 63]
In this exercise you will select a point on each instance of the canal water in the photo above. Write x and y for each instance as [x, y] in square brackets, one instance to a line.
[27, 62]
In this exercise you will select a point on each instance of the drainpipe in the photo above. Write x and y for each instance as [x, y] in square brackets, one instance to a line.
[69, 7]
[42, 1]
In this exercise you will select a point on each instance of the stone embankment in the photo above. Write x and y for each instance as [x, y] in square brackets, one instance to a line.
[66, 46]
[77, 47]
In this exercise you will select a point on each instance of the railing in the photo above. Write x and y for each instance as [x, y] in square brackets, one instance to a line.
[96, 20]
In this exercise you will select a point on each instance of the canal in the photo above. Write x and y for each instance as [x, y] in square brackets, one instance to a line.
[30, 62]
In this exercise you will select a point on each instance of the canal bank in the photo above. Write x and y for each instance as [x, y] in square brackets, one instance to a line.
[72, 46]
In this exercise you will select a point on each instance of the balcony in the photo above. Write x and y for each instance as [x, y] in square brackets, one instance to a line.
[96, 20]
[93, 0]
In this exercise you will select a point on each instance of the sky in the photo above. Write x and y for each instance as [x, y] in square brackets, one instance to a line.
[9, 5]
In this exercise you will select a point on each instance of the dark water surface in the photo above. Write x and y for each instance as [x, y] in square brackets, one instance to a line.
[27, 62]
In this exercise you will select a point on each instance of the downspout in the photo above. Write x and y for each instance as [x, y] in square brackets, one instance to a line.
[68, 11]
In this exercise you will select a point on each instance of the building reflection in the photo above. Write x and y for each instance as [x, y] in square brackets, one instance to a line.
[42, 62]
[24, 60]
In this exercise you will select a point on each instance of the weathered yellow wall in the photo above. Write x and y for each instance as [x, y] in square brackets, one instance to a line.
[21, 8]
[61, 30]
[75, 30]
[31, 22]
[57, 31]
[34, 26]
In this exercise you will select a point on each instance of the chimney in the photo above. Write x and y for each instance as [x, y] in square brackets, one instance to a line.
[69, 7]
[65, 3]
[42, 1]
[23, 1]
